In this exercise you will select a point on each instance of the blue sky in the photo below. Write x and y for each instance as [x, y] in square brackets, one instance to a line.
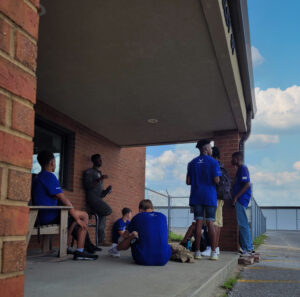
[272, 152]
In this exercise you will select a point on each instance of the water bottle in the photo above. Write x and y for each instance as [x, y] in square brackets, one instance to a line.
[188, 244]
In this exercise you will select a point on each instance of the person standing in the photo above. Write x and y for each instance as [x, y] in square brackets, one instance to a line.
[95, 194]
[241, 194]
[202, 175]
[223, 193]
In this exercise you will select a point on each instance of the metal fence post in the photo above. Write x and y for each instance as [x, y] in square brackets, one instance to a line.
[169, 212]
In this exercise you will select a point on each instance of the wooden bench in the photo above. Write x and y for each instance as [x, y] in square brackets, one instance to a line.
[61, 229]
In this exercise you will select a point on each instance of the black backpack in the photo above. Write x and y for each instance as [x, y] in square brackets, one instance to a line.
[224, 186]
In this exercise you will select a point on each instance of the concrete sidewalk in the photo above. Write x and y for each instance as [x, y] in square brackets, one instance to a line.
[111, 277]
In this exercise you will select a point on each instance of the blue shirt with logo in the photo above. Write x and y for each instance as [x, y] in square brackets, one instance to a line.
[119, 225]
[202, 171]
[242, 176]
[151, 248]
[44, 188]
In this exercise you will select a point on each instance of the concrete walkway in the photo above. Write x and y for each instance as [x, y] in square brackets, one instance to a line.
[278, 273]
[110, 277]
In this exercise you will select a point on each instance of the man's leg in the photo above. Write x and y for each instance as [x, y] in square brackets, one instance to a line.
[212, 234]
[103, 210]
[189, 233]
[125, 244]
[244, 230]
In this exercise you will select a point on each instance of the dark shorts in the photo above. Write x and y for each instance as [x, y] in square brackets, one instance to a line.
[206, 212]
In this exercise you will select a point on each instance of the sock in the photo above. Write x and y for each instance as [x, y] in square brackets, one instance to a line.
[80, 250]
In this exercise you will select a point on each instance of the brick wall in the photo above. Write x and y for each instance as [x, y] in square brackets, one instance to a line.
[124, 166]
[228, 143]
[18, 49]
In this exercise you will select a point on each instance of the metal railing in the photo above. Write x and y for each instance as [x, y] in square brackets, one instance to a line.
[180, 218]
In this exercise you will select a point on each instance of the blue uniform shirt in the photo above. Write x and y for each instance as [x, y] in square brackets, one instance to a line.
[119, 225]
[44, 187]
[242, 176]
[202, 171]
[152, 246]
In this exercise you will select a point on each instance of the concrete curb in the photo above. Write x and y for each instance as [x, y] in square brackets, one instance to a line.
[216, 280]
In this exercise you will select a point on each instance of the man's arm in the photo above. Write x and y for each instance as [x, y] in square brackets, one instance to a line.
[188, 180]
[65, 201]
[216, 180]
[241, 192]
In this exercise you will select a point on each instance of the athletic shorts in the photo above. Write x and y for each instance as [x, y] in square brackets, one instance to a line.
[204, 211]
[219, 213]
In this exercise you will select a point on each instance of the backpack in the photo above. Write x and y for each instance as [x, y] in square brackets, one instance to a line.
[224, 186]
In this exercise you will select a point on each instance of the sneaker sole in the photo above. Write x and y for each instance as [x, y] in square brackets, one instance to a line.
[198, 258]
[84, 258]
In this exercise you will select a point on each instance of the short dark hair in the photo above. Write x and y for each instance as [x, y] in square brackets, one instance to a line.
[216, 152]
[238, 155]
[125, 211]
[146, 204]
[44, 158]
[202, 142]
[95, 157]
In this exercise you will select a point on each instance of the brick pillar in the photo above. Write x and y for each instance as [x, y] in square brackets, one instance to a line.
[18, 50]
[228, 143]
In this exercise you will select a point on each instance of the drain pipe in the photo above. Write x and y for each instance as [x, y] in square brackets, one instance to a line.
[246, 135]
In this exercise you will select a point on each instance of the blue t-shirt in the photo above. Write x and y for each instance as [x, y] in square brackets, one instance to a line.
[242, 176]
[151, 248]
[44, 188]
[119, 225]
[202, 171]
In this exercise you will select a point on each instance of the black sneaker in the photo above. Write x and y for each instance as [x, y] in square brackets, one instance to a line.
[84, 256]
[91, 248]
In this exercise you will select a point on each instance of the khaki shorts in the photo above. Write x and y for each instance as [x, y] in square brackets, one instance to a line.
[219, 213]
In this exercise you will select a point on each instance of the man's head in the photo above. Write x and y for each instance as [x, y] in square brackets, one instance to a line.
[96, 159]
[237, 159]
[127, 212]
[204, 147]
[216, 153]
[47, 161]
[146, 205]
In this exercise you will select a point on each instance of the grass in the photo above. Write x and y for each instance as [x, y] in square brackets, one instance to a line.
[259, 240]
[175, 237]
[228, 285]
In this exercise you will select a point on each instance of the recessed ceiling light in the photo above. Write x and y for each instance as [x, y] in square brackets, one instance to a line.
[152, 121]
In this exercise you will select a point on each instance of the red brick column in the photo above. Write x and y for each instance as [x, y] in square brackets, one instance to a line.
[18, 50]
[228, 143]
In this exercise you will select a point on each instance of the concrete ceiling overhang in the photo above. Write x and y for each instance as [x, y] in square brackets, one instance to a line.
[113, 65]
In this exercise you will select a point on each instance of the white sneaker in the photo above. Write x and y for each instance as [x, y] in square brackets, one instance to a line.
[214, 256]
[198, 255]
[207, 252]
[114, 252]
[246, 254]
[218, 250]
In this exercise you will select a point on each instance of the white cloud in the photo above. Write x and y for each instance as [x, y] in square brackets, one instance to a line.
[297, 165]
[261, 140]
[278, 109]
[257, 58]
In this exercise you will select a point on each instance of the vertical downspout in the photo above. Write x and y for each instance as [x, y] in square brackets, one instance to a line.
[246, 135]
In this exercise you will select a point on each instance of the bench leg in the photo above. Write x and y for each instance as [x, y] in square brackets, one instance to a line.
[46, 243]
[32, 218]
[63, 234]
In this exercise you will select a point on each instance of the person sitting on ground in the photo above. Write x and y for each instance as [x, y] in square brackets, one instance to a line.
[190, 233]
[95, 193]
[223, 193]
[120, 226]
[46, 191]
[147, 236]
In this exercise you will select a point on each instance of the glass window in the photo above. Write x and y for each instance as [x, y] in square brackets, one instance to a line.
[49, 136]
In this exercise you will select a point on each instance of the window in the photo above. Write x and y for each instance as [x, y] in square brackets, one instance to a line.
[58, 140]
